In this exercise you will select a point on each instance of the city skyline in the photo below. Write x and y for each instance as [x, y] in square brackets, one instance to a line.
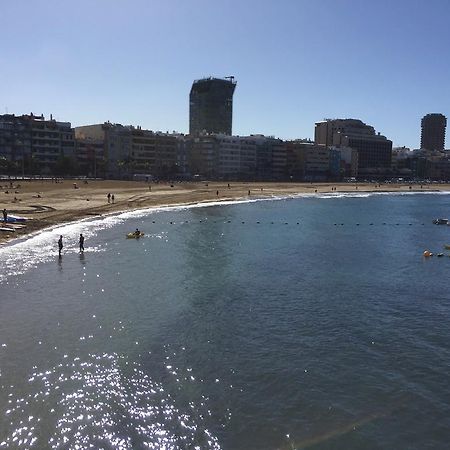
[296, 64]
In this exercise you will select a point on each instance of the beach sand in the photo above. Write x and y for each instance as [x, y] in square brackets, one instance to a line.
[46, 203]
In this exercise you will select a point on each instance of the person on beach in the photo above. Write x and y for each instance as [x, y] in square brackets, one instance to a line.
[5, 215]
[112, 198]
[217, 193]
[81, 243]
[60, 244]
[109, 197]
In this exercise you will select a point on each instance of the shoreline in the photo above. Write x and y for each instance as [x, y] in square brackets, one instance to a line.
[47, 204]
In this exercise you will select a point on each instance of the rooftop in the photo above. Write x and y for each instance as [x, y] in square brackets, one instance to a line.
[229, 79]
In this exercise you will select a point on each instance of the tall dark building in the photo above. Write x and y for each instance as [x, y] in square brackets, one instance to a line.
[433, 132]
[211, 105]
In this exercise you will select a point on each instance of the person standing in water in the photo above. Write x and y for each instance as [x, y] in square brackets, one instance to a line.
[81, 243]
[60, 244]
[5, 215]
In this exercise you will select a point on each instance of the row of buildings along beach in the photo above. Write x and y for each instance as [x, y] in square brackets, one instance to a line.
[342, 148]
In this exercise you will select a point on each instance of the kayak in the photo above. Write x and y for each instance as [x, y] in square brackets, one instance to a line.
[14, 219]
[134, 235]
[7, 229]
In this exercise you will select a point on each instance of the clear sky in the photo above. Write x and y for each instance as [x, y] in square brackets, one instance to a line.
[385, 62]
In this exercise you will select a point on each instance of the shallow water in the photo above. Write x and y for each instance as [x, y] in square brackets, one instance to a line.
[297, 323]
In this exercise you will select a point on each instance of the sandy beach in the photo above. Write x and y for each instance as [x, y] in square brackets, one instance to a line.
[46, 203]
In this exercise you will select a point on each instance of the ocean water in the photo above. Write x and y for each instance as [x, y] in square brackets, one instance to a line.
[311, 322]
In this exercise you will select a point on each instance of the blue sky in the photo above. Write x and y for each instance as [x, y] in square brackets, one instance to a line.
[295, 61]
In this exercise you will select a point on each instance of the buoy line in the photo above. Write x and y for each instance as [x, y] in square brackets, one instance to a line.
[259, 222]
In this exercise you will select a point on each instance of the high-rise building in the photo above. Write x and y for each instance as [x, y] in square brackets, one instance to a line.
[211, 106]
[433, 132]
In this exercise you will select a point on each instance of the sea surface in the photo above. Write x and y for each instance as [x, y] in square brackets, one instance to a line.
[297, 323]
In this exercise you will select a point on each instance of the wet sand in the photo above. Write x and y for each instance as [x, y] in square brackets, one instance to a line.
[46, 203]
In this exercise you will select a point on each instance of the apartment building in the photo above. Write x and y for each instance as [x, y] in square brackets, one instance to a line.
[116, 140]
[374, 150]
[35, 142]
[154, 153]
[15, 137]
[129, 150]
[90, 157]
[307, 160]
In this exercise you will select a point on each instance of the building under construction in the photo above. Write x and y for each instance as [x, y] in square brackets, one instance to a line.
[211, 106]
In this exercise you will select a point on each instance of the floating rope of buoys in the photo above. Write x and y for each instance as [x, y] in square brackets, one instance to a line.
[358, 224]
[427, 254]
